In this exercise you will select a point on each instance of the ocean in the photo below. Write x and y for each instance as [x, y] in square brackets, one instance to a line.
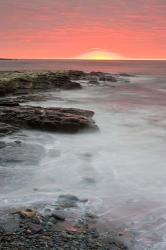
[136, 67]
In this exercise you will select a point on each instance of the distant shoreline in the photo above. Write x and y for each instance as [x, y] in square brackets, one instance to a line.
[6, 59]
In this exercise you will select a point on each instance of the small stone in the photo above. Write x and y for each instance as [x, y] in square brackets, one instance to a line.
[45, 237]
[58, 216]
[48, 225]
[28, 213]
[29, 231]
[17, 142]
[35, 228]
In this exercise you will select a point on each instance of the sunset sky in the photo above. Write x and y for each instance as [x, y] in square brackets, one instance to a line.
[94, 29]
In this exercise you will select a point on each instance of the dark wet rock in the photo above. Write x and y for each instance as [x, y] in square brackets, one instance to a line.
[26, 154]
[72, 85]
[76, 74]
[17, 142]
[16, 100]
[68, 197]
[48, 119]
[93, 82]
[108, 78]
[11, 85]
[8, 102]
[54, 80]
[88, 155]
[125, 75]
[6, 129]
[96, 73]
[34, 228]
[89, 180]
[68, 201]
[23, 83]
[31, 82]
[2, 92]
[51, 80]
[58, 216]
[97, 78]
[32, 98]
[25, 98]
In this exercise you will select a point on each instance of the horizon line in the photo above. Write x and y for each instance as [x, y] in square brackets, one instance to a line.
[78, 59]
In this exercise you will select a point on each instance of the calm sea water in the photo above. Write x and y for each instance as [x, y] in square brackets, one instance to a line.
[121, 170]
[138, 67]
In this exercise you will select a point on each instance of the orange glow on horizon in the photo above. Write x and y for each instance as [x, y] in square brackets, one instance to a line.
[100, 55]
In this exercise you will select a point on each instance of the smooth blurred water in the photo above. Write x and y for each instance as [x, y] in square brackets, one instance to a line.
[121, 169]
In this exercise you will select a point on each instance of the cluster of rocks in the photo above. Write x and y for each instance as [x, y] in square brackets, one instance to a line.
[30, 229]
[24, 83]
[92, 78]
[30, 82]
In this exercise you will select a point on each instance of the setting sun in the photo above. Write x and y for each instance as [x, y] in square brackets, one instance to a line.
[100, 55]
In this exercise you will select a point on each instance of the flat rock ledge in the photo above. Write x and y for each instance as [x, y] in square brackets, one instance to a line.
[68, 120]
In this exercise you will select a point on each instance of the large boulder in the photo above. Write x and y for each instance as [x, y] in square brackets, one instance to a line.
[48, 119]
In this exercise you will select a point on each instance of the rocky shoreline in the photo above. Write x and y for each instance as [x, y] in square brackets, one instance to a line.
[20, 87]
[54, 229]
[28, 82]
[20, 83]
[29, 227]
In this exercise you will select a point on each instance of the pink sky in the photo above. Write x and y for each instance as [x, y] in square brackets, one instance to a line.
[74, 28]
